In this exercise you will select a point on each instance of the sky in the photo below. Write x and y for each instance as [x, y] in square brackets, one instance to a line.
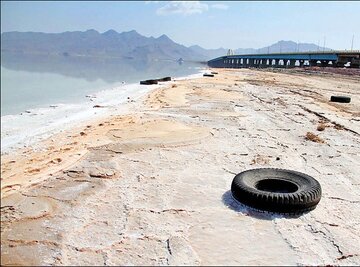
[210, 24]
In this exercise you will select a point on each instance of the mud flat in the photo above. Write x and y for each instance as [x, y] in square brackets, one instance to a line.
[152, 187]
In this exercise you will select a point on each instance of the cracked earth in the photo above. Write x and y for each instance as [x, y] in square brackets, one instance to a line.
[152, 187]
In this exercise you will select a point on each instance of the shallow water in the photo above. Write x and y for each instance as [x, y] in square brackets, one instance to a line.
[29, 81]
[43, 95]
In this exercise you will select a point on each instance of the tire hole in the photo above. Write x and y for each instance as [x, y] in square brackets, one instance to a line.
[276, 186]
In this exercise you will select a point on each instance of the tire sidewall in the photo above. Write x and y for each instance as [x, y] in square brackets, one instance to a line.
[306, 197]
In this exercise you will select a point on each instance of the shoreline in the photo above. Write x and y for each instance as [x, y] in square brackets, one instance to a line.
[45, 121]
[152, 187]
[16, 161]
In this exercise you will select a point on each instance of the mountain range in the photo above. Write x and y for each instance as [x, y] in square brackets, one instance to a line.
[129, 45]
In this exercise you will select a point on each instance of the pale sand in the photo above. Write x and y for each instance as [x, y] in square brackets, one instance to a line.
[152, 187]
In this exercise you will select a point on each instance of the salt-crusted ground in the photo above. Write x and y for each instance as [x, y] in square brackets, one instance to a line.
[152, 187]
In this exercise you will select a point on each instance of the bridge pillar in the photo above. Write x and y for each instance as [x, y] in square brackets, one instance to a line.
[246, 62]
[301, 63]
[276, 63]
[338, 64]
[324, 63]
[355, 65]
[313, 63]
[264, 63]
[292, 63]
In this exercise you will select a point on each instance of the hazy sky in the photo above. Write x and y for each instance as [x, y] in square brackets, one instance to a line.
[209, 24]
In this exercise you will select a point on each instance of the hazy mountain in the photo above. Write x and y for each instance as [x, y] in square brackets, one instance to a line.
[282, 46]
[209, 53]
[129, 45]
[92, 43]
[164, 48]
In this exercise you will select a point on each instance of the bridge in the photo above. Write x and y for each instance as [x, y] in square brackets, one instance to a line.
[288, 60]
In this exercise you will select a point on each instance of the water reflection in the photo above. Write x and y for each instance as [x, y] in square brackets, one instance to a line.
[31, 81]
[110, 70]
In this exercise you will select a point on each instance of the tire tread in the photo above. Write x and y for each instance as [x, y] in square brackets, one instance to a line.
[302, 200]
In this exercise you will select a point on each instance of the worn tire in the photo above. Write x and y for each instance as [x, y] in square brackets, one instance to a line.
[340, 99]
[208, 75]
[165, 79]
[149, 82]
[276, 190]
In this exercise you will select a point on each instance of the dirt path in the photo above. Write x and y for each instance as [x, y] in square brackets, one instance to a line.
[152, 187]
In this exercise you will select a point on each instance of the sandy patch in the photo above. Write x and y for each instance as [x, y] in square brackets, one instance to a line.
[183, 94]
[158, 132]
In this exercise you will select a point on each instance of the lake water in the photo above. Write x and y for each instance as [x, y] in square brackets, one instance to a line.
[41, 95]
[29, 82]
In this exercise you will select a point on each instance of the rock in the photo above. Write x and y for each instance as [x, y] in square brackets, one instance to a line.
[103, 173]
